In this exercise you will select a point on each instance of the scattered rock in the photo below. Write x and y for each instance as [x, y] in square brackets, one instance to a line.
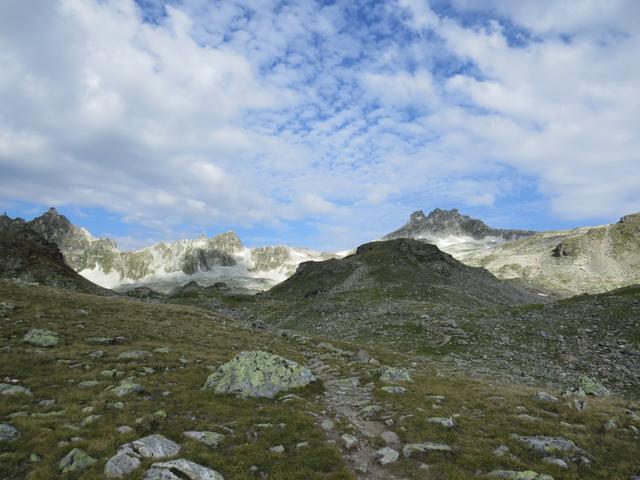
[135, 355]
[97, 354]
[548, 445]
[394, 374]
[501, 451]
[444, 421]
[411, 449]
[349, 440]
[88, 384]
[259, 374]
[126, 387]
[390, 438]
[386, 455]
[124, 429]
[513, 475]
[181, 469]
[558, 462]
[105, 340]
[128, 457]
[327, 424]
[8, 433]
[75, 461]
[545, 397]
[394, 389]
[9, 390]
[277, 449]
[41, 338]
[210, 439]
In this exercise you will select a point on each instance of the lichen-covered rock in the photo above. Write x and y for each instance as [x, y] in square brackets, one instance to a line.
[258, 374]
[394, 374]
[444, 421]
[513, 475]
[126, 387]
[181, 469]
[128, 457]
[8, 433]
[41, 338]
[411, 449]
[591, 386]
[548, 445]
[75, 461]
[210, 439]
[10, 390]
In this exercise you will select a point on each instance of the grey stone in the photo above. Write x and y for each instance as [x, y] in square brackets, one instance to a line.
[8, 433]
[126, 387]
[390, 438]
[181, 469]
[558, 462]
[88, 384]
[411, 449]
[258, 374]
[135, 355]
[277, 449]
[386, 455]
[444, 421]
[394, 389]
[10, 390]
[128, 457]
[349, 440]
[514, 475]
[545, 446]
[75, 461]
[394, 374]
[545, 397]
[210, 439]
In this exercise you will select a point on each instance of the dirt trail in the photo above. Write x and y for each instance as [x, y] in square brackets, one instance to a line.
[344, 399]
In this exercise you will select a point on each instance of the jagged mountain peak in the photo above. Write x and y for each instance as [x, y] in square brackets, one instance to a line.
[441, 223]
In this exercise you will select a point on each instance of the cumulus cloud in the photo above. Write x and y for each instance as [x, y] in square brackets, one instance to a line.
[257, 114]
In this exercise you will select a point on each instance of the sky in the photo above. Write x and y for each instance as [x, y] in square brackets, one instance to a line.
[321, 124]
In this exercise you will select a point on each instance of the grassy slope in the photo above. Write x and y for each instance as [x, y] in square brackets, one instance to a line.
[484, 421]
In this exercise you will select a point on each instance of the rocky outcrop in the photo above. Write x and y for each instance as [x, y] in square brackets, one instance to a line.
[569, 262]
[129, 455]
[259, 374]
[445, 223]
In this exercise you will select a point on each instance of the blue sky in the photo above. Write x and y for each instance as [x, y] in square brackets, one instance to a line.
[318, 124]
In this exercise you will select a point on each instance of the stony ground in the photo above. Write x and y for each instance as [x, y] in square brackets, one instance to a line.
[117, 371]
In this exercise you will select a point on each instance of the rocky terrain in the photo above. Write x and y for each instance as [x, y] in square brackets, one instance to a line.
[396, 362]
[571, 262]
[96, 387]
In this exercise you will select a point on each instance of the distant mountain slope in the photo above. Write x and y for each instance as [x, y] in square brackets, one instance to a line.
[454, 232]
[582, 260]
[28, 256]
[165, 265]
[390, 288]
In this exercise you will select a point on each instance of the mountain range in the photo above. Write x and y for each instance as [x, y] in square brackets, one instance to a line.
[569, 262]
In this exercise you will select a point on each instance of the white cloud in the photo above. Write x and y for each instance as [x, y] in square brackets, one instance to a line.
[248, 113]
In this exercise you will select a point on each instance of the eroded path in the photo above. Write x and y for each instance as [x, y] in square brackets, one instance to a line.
[345, 398]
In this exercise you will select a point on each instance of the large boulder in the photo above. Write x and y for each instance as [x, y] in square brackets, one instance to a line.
[41, 338]
[259, 374]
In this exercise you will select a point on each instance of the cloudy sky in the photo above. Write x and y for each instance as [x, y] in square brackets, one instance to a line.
[318, 123]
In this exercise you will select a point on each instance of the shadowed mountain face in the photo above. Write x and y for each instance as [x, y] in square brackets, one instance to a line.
[402, 268]
[27, 256]
[440, 224]
[391, 289]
